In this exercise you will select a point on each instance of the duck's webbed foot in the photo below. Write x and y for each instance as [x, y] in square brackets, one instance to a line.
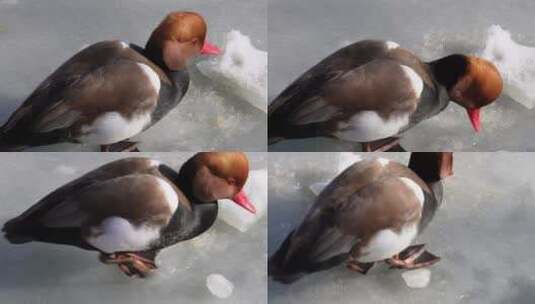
[353, 265]
[122, 146]
[390, 144]
[129, 263]
[413, 257]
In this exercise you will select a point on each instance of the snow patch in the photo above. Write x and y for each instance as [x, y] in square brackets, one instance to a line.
[515, 62]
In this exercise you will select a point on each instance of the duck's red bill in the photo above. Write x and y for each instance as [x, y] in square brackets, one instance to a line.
[474, 115]
[241, 199]
[210, 49]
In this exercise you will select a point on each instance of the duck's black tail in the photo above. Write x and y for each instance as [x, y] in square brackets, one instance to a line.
[276, 264]
[10, 147]
[7, 144]
[16, 231]
[432, 166]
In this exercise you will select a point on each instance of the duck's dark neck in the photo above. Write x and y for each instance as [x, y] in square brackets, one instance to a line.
[448, 70]
[155, 56]
[432, 167]
[172, 91]
[187, 224]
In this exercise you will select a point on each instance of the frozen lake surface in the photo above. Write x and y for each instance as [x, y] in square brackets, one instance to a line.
[301, 35]
[483, 232]
[37, 36]
[46, 273]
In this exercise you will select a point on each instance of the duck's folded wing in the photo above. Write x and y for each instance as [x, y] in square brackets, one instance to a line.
[98, 80]
[126, 213]
[115, 169]
[382, 85]
[342, 224]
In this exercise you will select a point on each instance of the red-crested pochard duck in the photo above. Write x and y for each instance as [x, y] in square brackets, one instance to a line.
[371, 212]
[372, 91]
[130, 209]
[111, 90]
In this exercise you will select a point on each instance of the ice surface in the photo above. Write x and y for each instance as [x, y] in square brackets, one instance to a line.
[482, 232]
[344, 160]
[37, 38]
[256, 190]
[418, 278]
[515, 62]
[219, 286]
[46, 273]
[241, 69]
[9, 2]
[301, 35]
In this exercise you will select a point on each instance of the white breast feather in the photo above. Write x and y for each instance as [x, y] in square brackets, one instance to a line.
[418, 192]
[390, 45]
[151, 75]
[154, 163]
[386, 243]
[369, 126]
[112, 127]
[416, 81]
[170, 194]
[117, 234]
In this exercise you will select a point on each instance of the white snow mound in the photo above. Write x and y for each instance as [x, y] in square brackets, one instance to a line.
[515, 62]
[241, 69]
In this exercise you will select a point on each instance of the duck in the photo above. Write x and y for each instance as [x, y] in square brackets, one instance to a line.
[111, 91]
[130, 209]
[373, 91]
[372, 212]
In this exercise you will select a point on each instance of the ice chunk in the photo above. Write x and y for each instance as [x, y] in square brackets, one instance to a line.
[515, 62]
[242, 70]
[318, 187]
[219, 286]
[256, 190]
[418, 278]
